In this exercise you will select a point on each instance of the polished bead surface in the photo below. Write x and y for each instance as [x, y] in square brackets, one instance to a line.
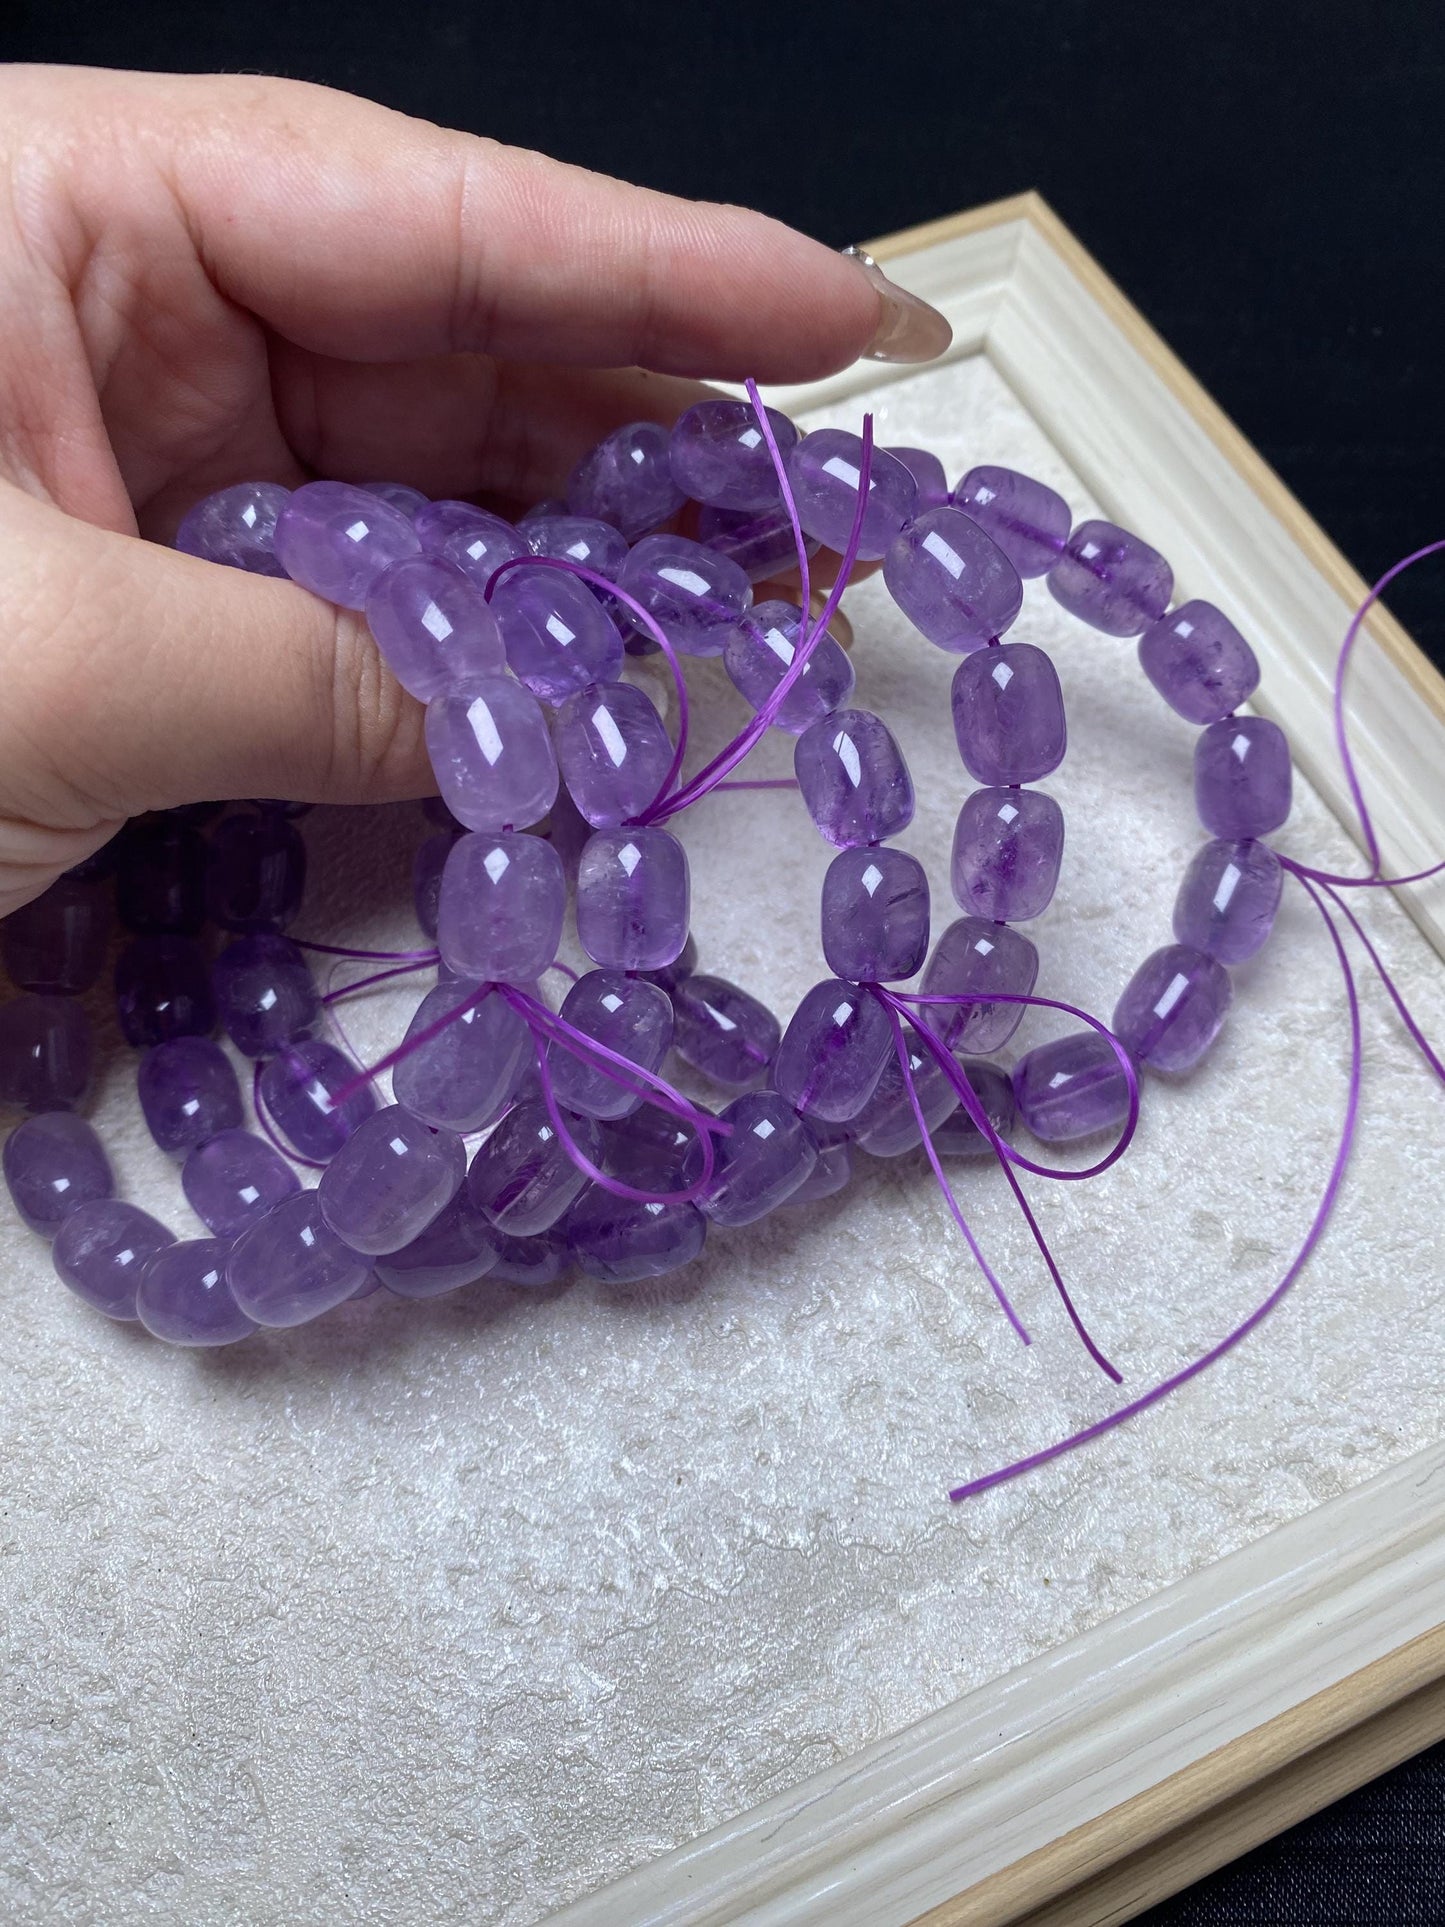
[236, 526]
[1008, 714]
[1026, 519]
[433, 626]
[439, 521]
[188, 1092]
[1008, 844]
[467, 1074]
[832, 1173]
[523, 1178]
[503, 899]
[255, 872]
[627, 480]
[722, 1031]
[853, 778]
[53, 1164]
[160, 879]
[46, 1053]
[720, 455]
[759, 652]
[392, 1176]
[833, 1052]
[456, 1248]
[233, 1179]
[265, 993]
[291, 1267]
[1242, 777]
[491, 754]
[652, 1149]
[958, 1136]
[955, 585]
[299, 1090]
[558, 637]
[619, 1242]
[101, 1250]
[1227, 901]
[1199, 662]
[767, 1156]
[825, 469]
[628, 1015]
[426, 879]
[398, 494]
[163, 990]
[692, 593]
[1071, 1088]
[1173, 1007]
[875, 915]
[479, 545]
[887, 1126]
[1111, 580]
[613, 750]
[928, 476]
[760, 541]
[184, 1299]
[975, 955]
[335, 540]
[577, 538]
[56, 943]
[633, 898]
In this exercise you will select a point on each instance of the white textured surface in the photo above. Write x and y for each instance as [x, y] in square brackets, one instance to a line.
[455, 1611]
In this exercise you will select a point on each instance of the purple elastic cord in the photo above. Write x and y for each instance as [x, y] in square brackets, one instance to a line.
[380, 977]
[379, 956]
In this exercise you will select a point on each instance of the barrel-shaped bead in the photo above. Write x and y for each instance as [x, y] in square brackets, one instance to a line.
[1242, 777]
[975, 956]
[723, 1031]
[523, 1178]
[1008, 844]
[183, 1297]
[833, 1052]
[558, 637]
[1008, 714]
[958, 1136]
[875, 915]
[627, 480]
[433, 626]
[761, 541]
[633, 898]
[392, 1176]
[620, 1242]
[853, 778]
[255, 872]
[291, 1267]
[1173, 1007]
[491, 754]
[301, 1090]
[160, 879]
[335, 540]
[613, 751]
[719, 454]
[1227, 901]
[188, 1092]
[47, 1051]
[1072, 1087]
[233, 1179]
[628, 1016]
[928, 475]
[503, 898]
[952, 581]
[760, 652]
[101, 1250]
[466, 1075]
[163, 990]
[478, 545]
[581, 539]
[56, 943]
[1199, 662]
[1111, 580]
[693, 594]
[265, 993]
[53, 1164]
[1028, 520]
[826, 472]
[456, 1248]
[887, 1126]
[767, 1155]
[236, 526]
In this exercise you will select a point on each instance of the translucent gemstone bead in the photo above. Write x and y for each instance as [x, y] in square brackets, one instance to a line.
[503, 899]
[426, 879]
[760, 541]
[481, 546]
[163, 990]
[633, 898]
[954, 585]
[722, 1031]
[626, 1014]
[1008, 714]
[523, 1177]
[398, 494]
[265, 993]
[233, 1179]
[237, 526]
[56, 944]
[875, 915]
[577, 538]
[1199, 662]
[1242, 777]
[467, 1074]
[825, 469]
[975, 955]
[854, 780]
[613, 750]
[54, 1164]
[335, 540]
[392, 1176]
[693, 594]
[1071, 1088]
[653, 1150]
[433, 626]
[886, 1127]
[255, 873]
[671, 975]
[832, 1173]
[439, 521]
[547, 510]
[1173, 1008]
[1227, 902]
[627, 480]
[456, 1248]
[291, 1267]
[533, 1264]
[101, 1250]
[833, 1052]
[928, 476]
[299, 1089]
[188, 1092]
[769, 1154]
[46, 1053]
[559, 639]
[183, 1297]
[1007, 848]
[958, 1136]
[719, 454]
[759, 652]
[1027, 520]
[1111, 580]
[160, 879]
[619, 1242]
[491, 754]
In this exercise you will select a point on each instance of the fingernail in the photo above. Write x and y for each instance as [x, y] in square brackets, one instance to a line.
[908, 329]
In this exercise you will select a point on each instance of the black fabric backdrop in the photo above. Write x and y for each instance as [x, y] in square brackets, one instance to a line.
[1267, 183]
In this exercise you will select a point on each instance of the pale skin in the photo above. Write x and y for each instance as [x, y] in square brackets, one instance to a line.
[206, 280]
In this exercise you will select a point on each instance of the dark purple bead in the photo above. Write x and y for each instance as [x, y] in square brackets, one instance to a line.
[533, 1264]
[768, 1155]
[467, 1074]
[54, 1164]
[236, 526]
[426, 879]
[393, 1175]
[256, 873]
[719, 454]
[46, 1053]
[722, 1031]
[958, 1136]
[633, 898]
[1199, 662]
[188, 1092]
[1227, 902]
[976, 955]
[335, 540]
[457, 1248]
[875, 915]
[184, 1299]
[825, 469]
[233, 1179]
[619, 1242]
[400, 496]
[759, 653]
[291, 1267]
[833, 1052]
[1071, 1088]
[163, 990]
[1242, 777]
[523, 1177]
[692, 593]
[928, 476]
[1111, 580]
[299, 1089]
[1027, 520]
[760, 541]
[1173, 1008]
[630, 1017]
[854, 780]
[955, 586]
[1008, 714]
[101, 1250]
[433, 626]
[671, 975]
[1007, 848]
[502, 902]
[613, 751]
[627, 480]
[887, 1126]
[160, 879]
[265, 993]
[491, 754]
[578, 538]
[653, 1150]
[56, 943]
[558, 637]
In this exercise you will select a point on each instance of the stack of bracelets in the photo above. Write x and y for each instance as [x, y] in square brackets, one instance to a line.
[590, 1158]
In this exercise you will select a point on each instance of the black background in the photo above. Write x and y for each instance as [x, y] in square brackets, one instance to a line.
[1266, 182]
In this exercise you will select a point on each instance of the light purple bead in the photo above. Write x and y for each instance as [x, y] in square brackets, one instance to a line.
[720, 455]
[723, 1031]
[1028, 521]
[54, 1164]
[693, 594]
[954, 585]
[188, 1092]
[1008, 714]
[183, 1297]
[629, 1016]
[976, 955]
[163, 990]
[503, 899]
[523, 1177]
[1227, 902]
[887, 1126]
[1173, 1008]
[832, 1173]
[237, 526]
[457, 1248]
[467, 1074]
[760, 541]
[1199, 662]
[928, 476]
[825, 469]
[1071, 1088]
[1242, 777]
[958, 1136]
[233, 1179]
[335, 540]
[392, 1176]
[854, 780]
[1111, 580]
[759, 652]
[255, 872]
[439, 521]
[101, 1250]
[833, 1052]
[875, 915]
[633, 898]
[426, 879]
[577, 538]
[627, 480]
[491, 754]
[46, 1053]
[265, 993]
[398, 494]
[769, 1154]
[291, 1267]
[1007, 848]
[558, 637]
[56, 944]
[619, 1242]
[433, 626]
[613, 750]
[299, 1089]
